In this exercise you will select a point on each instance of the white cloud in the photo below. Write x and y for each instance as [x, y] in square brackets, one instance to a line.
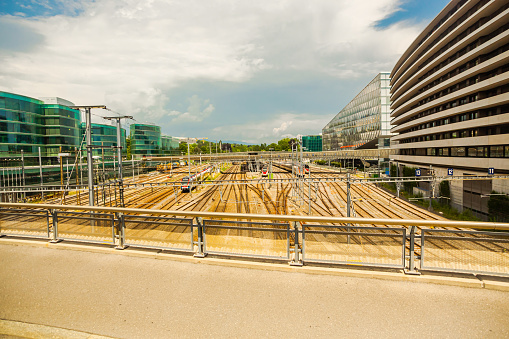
[130, 54]
[197, 111]
[283, 127]
[290, 125]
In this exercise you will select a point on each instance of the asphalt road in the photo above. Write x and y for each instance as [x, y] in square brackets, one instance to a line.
[131, 297]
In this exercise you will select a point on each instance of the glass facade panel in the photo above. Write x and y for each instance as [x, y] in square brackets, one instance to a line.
[170, 146]
[364, 119]
[145, 139]
[27, 124]
[312, 143]
[104, 135]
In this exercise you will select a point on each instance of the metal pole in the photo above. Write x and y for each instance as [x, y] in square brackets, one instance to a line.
[309, 195]
[102, 154]
[78, 195]
[132, 158]
[348, 203]
[119, 152]
[189, 165]
[430, 184]
[23, 171]
[40, 173]
[348, 196]
[88, 132]
[411, 263]
[61, 172]
[81, 169]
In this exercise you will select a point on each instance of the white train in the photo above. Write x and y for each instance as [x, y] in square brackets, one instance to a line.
[188, 182]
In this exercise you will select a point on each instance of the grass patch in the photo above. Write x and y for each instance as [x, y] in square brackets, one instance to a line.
[447, 211]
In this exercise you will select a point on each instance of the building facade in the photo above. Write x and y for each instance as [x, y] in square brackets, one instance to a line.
[312, 143]
[365, 121]
[28, 123]
[450, 99]
[169, 145]
[105, 135]
[145, 140]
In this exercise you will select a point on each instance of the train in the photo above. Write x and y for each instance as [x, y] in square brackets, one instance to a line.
[265, 171]
[168, 166]
[187, 182]
[296, 168]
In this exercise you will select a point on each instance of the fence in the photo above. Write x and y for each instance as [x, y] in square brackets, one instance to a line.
[412, 245]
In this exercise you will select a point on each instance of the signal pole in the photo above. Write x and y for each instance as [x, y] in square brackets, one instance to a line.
[88, 132]
[119, 154]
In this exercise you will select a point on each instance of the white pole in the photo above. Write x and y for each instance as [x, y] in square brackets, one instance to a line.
[40, 172]
[132, 158]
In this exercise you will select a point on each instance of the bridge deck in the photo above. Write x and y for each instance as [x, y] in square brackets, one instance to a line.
[126, 296]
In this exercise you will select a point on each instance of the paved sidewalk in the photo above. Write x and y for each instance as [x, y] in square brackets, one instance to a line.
[134, 297]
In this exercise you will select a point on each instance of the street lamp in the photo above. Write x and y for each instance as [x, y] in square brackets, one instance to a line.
[270, 166]
[379, 169]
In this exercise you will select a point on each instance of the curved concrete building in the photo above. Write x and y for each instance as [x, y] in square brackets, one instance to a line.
[450, 98]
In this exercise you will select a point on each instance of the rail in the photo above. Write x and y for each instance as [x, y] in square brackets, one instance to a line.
[313, 180]
[412, 245]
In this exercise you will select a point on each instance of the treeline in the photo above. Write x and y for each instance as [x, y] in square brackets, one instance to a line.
[206, 147]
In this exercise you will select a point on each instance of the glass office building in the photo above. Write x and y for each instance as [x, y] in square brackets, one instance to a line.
[170, 145]
[145, 140]
[105, 135]
[28, 123]
[364, 122]
[312, 143]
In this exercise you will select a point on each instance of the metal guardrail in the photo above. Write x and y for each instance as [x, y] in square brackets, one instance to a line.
[267, 155]
[414, 245]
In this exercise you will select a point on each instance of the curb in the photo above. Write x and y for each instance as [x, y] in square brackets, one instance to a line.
[470, 281]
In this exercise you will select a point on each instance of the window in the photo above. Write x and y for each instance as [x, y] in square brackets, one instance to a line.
[457, 151]
[496, 151]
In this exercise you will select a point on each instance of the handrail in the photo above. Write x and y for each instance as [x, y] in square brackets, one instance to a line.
[277, 217]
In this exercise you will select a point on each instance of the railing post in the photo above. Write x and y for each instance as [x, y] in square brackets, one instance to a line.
[297, 261]
[411, 262]
[200, 253]
[54, 228]
[121, 230]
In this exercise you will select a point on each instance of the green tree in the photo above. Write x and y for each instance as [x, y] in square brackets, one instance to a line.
[274, 146]
[183, 147]
[284, 144]
[128, 148]
[393, 170]
[409, 172]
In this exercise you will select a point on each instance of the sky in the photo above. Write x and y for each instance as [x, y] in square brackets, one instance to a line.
[239, 70]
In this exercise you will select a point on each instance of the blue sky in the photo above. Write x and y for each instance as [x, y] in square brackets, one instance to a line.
[241, 70]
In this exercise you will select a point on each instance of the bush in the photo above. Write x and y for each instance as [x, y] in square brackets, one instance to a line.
[445, 190]
[393, 171]
[498, 207]
[409, 172]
